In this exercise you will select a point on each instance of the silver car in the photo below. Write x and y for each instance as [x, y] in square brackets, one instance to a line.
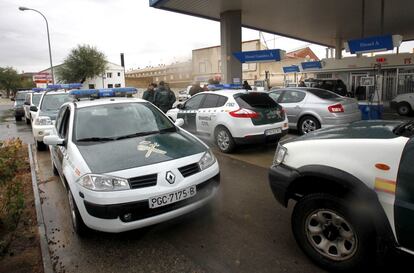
[309, 109]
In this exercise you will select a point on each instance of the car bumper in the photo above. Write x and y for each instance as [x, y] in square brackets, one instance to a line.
[280, 178]
[260, 138]
[341, 120]
[132, 215]
[40, 131]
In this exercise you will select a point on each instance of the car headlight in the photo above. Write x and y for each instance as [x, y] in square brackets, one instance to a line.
[43, 121]
[280, 155]
[207, 160]
[98, 182]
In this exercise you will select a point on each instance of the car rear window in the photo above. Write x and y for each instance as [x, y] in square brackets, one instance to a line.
[255, 100]
[323, 94]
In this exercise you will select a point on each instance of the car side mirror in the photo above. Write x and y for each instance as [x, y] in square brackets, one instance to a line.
[53, 140]
[26, 103]
[33, 108]
[179, 122]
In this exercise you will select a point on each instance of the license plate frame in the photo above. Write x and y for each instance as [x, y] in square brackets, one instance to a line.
[171, 197]
[273, 131]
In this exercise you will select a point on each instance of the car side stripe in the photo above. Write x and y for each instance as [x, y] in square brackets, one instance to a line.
[385, 185]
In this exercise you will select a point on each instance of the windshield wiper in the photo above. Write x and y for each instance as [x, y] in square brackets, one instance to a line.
[137, 135]
[96, 139]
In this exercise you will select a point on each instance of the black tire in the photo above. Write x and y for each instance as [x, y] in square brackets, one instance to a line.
[28, 122]
[308, 124]
[404, 108]
[55, 170]
[361, 245]
[77, 222]
[18, 118]
[224, 140]
[41, 146]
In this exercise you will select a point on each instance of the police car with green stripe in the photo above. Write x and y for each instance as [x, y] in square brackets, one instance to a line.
[233, 116]
[354, 191]
[123, 163]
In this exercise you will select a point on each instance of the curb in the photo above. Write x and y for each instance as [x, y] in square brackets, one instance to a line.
[47, 263]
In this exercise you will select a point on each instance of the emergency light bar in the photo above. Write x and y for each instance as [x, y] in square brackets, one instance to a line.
[65, 86]
[224, 86]
[37, 89]
[103, 93]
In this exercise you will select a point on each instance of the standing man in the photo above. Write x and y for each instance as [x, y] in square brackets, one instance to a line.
[164, 97]
[196, 88]
[149, 94]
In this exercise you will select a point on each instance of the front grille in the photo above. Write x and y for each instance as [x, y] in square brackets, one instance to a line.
[189, 169]
[143, 181]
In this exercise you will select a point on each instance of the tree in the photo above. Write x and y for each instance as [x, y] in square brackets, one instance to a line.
[82, 62]
[9, 79]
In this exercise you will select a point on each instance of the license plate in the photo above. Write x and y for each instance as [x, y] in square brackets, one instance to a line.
[172, 197]
[273, 131]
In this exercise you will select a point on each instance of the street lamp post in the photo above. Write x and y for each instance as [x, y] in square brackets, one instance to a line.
[48, 40]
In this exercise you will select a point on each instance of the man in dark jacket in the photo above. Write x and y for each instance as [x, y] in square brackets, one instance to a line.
[196, 88]
[149, 94]
[164, 97]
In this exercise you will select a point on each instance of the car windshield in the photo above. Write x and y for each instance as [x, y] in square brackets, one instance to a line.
[54, 101]
[20, 96]
[119, 121]
[36, 99]
[405, 129]
[323, 94]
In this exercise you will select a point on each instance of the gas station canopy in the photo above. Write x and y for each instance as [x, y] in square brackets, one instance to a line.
[323, 22]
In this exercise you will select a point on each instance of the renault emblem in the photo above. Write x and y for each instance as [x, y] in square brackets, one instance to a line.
[170, 177]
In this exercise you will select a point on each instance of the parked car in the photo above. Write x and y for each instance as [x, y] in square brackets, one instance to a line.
[18, 104]
[31, 99]
[403, 104]
[335, 85]
[124, 165]
[184, 95]
[354, 192]
[44, 119]
[233, 117]
[309, 109]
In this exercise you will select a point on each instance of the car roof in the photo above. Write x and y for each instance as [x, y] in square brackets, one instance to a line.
[229, 92]
[104, 101]
[57, 92]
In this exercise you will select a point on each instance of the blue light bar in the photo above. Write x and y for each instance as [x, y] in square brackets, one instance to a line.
[224, 86]
[37, 89]
[65, 86]
[104, 93]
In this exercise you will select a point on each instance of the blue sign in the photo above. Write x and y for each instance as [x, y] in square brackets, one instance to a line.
[371, 44]
[311, 65]
[291, 69]
[258, 56]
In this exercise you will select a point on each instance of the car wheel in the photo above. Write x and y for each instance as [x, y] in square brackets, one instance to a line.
[331, 234]
[224, 140]
[18, 118]
[308, 124]
[78, 225]
[40, 146]
[28, 121]
[403, 108]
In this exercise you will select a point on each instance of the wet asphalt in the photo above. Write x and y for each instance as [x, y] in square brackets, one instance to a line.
[244, 229]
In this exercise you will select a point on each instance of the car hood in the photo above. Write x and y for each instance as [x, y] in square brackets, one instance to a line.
[130, 153]
[360, 129]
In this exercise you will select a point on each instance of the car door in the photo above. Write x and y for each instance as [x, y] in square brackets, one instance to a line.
[293, 102]
[27, 103]
[207, 115]
[404, 199]
[189, 112]
[62, 129]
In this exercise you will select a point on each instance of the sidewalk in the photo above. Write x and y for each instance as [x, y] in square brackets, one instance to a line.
[4, 101]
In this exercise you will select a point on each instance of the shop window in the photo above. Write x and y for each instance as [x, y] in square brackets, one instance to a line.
[91, 86]
[110, 85]
[109, 75]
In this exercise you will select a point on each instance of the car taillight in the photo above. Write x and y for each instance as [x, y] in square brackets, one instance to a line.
[244, 113]
[337, 108]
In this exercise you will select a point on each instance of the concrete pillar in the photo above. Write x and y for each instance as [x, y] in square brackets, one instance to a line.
[231, 41]
[338, 49]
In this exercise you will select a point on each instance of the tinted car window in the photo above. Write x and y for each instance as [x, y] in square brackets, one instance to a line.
[194, 102]
[323, 94]
[54, 101]
[210, 101]
[275, 95]
[292, 96]
[221, 101]
[255, 100]
[36, 99]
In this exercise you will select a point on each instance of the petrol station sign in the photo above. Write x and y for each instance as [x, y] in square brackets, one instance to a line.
[255, 56]
[42, 77]
[291, 69]
[373, 44]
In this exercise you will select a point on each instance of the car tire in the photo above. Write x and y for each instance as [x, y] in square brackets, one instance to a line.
[308, 124]
[18, 118]
[77, 222]
[315, 230]
[28, 122]
[404, 108]
[224, 140]
[40, 146]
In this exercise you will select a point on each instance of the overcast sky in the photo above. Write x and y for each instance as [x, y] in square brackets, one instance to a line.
[146, 35]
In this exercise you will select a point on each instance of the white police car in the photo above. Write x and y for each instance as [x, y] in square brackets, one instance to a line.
[232, 117]
[354, 189]
[45, 115]
[123, 163]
